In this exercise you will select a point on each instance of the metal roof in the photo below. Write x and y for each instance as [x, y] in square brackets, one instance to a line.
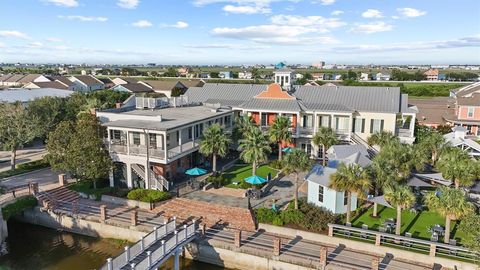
[320, 175]
[289, 105]
[25, 95]
[358, 98]
[223, 91]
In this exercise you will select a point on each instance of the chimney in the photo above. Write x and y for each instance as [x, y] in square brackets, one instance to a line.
[118, 105]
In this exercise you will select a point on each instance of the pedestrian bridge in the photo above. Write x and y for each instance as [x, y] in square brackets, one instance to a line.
[152, 250]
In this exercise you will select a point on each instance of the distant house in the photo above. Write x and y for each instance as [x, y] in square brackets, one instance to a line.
[124, 80]
[183, 72]
[457, 138]
[87, 83]
[382, 76]
[63, 80]
[467, 108]
[107, 82]
[319, 191]
[245, 75]
[53, 85]
[204, 75]
[298, 76]
[431, 74]
[364, 77]
[193, 83]
[225, 75]
[133, 88]
[280, 65]
[21, 79]
[318, 76]
[164, 87]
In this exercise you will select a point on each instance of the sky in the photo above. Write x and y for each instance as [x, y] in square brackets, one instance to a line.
[240, 31]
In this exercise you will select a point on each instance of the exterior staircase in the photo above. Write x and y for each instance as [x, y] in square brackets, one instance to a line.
[156, 181]
[54, 197]
[372, 152]
[208, 213]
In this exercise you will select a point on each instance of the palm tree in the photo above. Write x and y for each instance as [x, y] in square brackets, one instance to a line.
[456, 165]
[325, 137]
[295, 163]
[382, 138]
[280, 133]
[243, 124]
[450, 203]
[402, 197]
[255, 148]
[433, 143]
[351, 179]
[214, 142]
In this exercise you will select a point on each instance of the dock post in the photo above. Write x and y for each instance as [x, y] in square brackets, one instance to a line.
[110, 264]
[155, 229]
[149, 258]
[323, 256]
[103, 213]
[238, 238]
[134, 218]
[142, 243]
[276, 246]
[185, 231]
[177, 259]
[127, 254]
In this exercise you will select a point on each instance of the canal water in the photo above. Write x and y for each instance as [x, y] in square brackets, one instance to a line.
[34, 247]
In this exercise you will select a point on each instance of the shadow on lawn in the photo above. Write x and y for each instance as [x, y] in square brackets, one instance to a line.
[410, 225]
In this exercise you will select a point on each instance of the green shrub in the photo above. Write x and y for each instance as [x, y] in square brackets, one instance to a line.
[103, 188]
[278, 221]
[217, 181]
[316, 218]
[265, 215]
[292, 217]
[18, 206]
[276, 164]
[148, 195]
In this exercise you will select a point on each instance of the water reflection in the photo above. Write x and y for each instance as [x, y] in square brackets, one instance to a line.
[35, 247]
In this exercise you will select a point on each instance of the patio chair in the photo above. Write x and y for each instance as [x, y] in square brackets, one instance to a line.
[452, 242]
[348, 224]
[382, 229]
[407, 243]
[365, 226]
[434, 237]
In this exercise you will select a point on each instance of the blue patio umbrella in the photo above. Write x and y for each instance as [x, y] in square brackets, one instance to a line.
[195, 171]
[287, 150]
[255, 180]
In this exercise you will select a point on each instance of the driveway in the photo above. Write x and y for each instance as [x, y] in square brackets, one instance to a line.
[44, 177]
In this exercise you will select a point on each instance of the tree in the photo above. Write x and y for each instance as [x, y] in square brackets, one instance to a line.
[280, 133]
[325, 137]
[351, 179]
[48, 112]
[382, 138]
[82, 153]
[214, 74]
[470, 225]
[17, 128]
[171, 72]
[176, 92]
[255, 148]
[243, 124]
[214, 142]
[295, 163]
[456, 165]
[450, 203]
[255, 74]
[394, 163]
[402, 197]
[433, 143]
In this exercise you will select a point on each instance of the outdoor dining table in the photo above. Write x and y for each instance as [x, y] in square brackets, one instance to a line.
[390, 224]
[437, 229]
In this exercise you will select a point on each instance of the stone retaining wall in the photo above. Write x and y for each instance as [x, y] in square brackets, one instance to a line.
[126, 202]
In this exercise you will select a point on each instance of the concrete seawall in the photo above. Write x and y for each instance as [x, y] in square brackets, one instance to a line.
[79, 226]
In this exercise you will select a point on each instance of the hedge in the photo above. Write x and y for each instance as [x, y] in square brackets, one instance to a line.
[18, 206]
[148, 195]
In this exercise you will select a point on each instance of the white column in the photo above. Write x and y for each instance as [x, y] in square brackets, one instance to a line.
[350, 126]
[128, 142]
[192, 134]
[180, 140]
[260, 118]
[165, 147]
[110, 177]
[129, 175]
[147, 175]
[297, 131]
[412, 126]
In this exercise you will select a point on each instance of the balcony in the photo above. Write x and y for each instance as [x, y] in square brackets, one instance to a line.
[177, 150]
[403, 132]
[306, 130]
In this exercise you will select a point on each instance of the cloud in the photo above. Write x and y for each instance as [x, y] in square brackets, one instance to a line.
[83, 18]
[247, 9]
[411, 12]
[142, 24]
[322, 23]
[128, 4]
[372, 13]
[465, 42]
[63, 3]
[179, 25]
[13, 34]
[337, 12]
[226, 46]
[325, 2]
[53, 39]
[34, 45]
[369, 28]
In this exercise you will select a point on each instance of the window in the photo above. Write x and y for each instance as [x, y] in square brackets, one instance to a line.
[376, 125]
[320, 194]
[152, 140]
[136, 138]
[116, 134]
[264, 119]
[325, 121]
[345, 198]
[307, 121]
[359, 125]
[286, 79]
[189, 132]
[470, 112]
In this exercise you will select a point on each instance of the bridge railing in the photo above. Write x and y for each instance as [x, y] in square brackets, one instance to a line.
[131, 252]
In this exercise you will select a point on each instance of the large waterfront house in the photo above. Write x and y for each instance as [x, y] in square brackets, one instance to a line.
[174, 126]
[467, 108]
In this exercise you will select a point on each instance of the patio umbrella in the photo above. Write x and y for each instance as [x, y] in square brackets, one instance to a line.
[195, 171]
[287, 150]
[416, 182]
[255, 180]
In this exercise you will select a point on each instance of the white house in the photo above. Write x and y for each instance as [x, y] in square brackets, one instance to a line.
[245, 75]
[284, 77]
[457, 138]
[87, 83]
[21, 79]
[382, 77]
[364, 77]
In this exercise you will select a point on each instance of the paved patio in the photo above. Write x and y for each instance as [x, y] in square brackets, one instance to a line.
[282, 191]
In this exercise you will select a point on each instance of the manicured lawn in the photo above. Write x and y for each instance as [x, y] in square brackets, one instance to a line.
[239, 172]
[415, 223]
[25, 168]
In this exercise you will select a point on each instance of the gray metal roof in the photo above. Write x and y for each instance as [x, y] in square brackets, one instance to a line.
[224, 91]
[25, 95]
[289, 105]
[320, 175]
[223, 102]
[344, 151]
[171, 117]
[358, 98]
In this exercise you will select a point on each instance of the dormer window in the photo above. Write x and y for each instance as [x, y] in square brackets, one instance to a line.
[470, 112]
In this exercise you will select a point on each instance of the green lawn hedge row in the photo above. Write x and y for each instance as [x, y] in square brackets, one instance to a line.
[18, 206]
[148, 195]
